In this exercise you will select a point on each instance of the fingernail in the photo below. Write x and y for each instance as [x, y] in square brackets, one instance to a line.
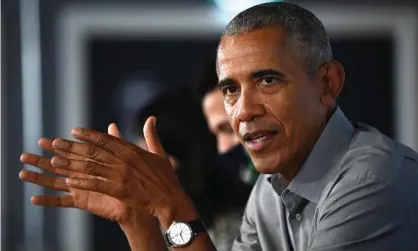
[57, 161]
[60, 143]
[76, 132]
[155, 122]
[22, 157]
[70, 182]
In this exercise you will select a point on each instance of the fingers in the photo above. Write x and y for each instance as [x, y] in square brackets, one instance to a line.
[114, 130]
[114, 145]
[44, 180]
[151, 138]
[46, 144]
[120, 148]
[90, 168]
[108, 187]
[53, 201]
[87, 151]
[43, 163]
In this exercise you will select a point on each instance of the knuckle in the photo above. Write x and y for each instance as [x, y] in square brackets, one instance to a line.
[97, 185]
[91, 150]
[35, 177]
[83, 133]
[118, 153]
[100, 140]
[90, 168]
[127, 173]
[66, 144]
[125, 170]
[51, 182]
[62, 154]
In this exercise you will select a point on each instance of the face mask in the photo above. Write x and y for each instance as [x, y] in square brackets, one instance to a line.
[238, 166]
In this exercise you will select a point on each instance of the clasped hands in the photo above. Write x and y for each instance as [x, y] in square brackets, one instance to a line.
[108, 176]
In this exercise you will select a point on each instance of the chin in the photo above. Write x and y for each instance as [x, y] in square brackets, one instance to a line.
[267, 165]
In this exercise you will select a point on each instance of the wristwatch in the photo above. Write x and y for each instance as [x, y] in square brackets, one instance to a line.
[181, 234]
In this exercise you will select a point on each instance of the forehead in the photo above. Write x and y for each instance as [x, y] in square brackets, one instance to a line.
[256, 49]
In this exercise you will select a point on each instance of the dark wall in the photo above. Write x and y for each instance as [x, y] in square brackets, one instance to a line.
[368, 94]
[12, 189]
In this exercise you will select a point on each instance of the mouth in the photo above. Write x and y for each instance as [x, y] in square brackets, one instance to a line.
[258, 140]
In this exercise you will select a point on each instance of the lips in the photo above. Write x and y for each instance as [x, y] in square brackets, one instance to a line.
[258, 140]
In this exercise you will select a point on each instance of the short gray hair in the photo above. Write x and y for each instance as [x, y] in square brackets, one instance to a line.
[305, 34]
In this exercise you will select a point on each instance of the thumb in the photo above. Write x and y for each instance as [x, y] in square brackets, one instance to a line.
[151, 138]
[113, 130]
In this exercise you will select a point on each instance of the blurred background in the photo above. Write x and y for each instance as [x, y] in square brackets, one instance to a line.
[68, 63]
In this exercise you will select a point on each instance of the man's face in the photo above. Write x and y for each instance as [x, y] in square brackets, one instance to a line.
[214, 110]
[273, 105]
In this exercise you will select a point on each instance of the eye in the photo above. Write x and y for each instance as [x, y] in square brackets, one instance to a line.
[270, 80]
[229, 90]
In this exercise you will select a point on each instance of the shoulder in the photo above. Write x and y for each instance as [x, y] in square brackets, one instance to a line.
[374, 156]
[374, 168]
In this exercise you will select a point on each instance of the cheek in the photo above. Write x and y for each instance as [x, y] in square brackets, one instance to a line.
[281, 106]
[231, 113]
[289, 108]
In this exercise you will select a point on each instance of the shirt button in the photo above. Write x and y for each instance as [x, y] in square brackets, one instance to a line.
[298, 217]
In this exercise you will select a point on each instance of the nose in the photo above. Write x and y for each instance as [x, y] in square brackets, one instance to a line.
[249, 105]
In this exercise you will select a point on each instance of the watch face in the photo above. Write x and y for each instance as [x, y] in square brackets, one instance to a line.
[179, 234]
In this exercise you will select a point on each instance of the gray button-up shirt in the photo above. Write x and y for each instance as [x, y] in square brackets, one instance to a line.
[357, 190]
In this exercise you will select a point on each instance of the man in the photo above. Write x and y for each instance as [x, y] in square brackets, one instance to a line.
[327, 184]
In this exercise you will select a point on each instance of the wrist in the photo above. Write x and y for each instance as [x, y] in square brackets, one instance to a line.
[139, 221]
[143, 232]
[181, 209]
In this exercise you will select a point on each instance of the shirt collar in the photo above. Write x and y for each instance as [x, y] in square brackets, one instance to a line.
[323, 161]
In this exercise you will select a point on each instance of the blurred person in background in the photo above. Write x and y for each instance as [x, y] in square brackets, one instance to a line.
[327, 183]
[236, 170]
[213, 107]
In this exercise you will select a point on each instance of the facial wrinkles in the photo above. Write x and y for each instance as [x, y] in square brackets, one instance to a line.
[238, 49]
[246, 57]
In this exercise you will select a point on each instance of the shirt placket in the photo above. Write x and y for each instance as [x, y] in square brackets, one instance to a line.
[294, 206]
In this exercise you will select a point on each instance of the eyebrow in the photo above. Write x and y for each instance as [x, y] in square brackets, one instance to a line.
[225, 82]
[266, 72]
[253, 75]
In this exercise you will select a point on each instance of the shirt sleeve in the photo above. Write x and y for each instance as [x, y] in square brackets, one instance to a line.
[359, 214]
[248, 239]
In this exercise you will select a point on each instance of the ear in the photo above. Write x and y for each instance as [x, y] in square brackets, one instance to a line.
[332, 77]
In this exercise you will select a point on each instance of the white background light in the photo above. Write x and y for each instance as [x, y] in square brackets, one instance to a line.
[236, 6]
